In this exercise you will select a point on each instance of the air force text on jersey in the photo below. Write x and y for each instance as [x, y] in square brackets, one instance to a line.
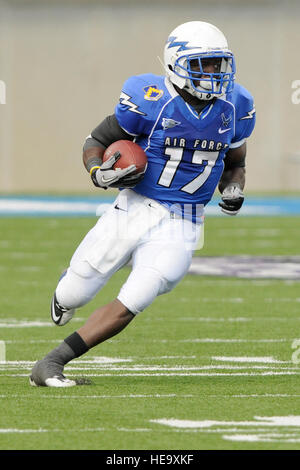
[203, 144]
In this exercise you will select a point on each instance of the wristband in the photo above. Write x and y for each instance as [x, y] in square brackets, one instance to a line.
[96, 167]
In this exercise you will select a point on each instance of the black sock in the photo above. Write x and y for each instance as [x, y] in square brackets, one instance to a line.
[77, 344]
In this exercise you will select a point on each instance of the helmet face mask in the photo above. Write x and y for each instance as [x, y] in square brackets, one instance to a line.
[197, 59]
[192, 68]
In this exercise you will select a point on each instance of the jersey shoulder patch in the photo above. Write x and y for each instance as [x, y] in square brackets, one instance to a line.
[144, 88]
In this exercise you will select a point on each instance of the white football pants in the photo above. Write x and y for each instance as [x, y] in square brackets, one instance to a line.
[134, 228]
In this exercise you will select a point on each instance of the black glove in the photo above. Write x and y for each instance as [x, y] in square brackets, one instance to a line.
[232, 198]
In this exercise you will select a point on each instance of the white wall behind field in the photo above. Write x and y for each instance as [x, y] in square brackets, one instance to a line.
[64, 63]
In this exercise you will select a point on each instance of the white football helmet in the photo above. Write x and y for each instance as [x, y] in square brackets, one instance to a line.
[188, 50]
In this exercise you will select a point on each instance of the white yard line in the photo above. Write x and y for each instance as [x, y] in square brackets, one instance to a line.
[30, 431]
[107, 365]
[14, 323]
[237, 282]
[165, 368]
[259, 421]
[261, 438]
[210, 319]
[234, 300]
[252, 436]
[20, 431]
[189, 340]
[232, 340]
[96, 397]
[25, 324]
[157, 395]
[194, 374]
[281, 299]
[175, 374]
[263, 359]
[263, 395]
[33, 341]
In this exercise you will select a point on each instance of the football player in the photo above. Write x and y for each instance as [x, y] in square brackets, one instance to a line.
[193, 124]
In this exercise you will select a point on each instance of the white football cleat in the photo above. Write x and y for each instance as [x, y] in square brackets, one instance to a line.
[59, 314]
[56, 381]
[47, 373]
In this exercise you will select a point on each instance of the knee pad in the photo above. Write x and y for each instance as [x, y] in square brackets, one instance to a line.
[141, 288]
[76, 289]
[154, 273]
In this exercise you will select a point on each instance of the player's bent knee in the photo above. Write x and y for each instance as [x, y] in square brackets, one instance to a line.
[141, 288]
[75, 290]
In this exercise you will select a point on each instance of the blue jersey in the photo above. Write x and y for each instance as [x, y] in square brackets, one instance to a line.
[185, 150]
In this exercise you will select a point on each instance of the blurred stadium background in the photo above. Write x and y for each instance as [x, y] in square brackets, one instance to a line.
[64, 62]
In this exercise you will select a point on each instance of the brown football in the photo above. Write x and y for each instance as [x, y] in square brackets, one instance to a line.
[131, 154]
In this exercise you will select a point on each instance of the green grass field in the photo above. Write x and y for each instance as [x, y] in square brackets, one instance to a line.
[208, 366]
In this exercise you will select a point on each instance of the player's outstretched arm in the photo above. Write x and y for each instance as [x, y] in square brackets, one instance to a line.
[232, 182]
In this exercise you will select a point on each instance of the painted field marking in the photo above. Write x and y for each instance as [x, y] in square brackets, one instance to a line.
[174, 369]
[24, 324]
[239, 282]
[211, 319]
[263, 359]
[262, 438]
[253, 436]
[194, 374]
[97, 397]
[14, 323]
[119, 429]
[104, 364]
[284, 421]
[104, 359]
[232, 340]
[234, 300]
[166, 368]
[38, 323]
[132, 395]
[248, 267]
[263, 395]
[237, 300]
[206, 340]
[98, 360]
[94, 361]
[258, 430]
[34, 341]
[281, 299]
[134, 430]
[177, 374]
[14, 430]
[20, 431]
[2, 352]
[170, 357]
